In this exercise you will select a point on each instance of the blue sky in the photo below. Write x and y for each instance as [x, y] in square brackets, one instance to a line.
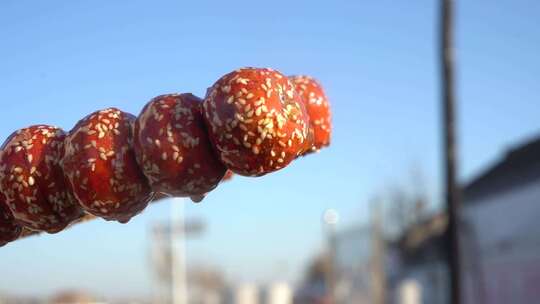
[60, 60]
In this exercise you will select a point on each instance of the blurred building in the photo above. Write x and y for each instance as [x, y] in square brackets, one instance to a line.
[416, 268]
[355, 262]
[499, 234]
[73, 297]
[349, 272]
[10, 299]
[250, 293]
[278, 293]
[500, 231]
[314, 288]
[246, 293]
[63, 297]
[205, 286]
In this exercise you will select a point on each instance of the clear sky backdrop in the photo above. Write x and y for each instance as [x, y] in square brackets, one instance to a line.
[60, 60]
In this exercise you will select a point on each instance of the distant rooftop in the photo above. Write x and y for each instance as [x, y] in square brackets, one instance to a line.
[520, 166]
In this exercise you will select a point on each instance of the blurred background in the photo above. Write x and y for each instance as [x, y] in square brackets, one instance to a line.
[360, 222]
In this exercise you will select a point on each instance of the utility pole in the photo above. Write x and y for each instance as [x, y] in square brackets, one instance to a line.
[330, 220]
[452, 196]
[378, 256]
[178, 253]
[169, 252]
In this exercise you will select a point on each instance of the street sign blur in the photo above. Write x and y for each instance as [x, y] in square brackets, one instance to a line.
[193, 227]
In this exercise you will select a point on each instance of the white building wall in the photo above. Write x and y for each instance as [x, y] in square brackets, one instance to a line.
[279, 293]
[501, 243]
[246, 294]
[410, 292]
[424, 284]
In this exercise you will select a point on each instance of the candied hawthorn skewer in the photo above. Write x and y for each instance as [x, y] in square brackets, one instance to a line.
[173, 148]
[256, 121]
[228, 176]
[101, 166]
[253, 121]
[10, 230]
[32, 180]
[318, 108]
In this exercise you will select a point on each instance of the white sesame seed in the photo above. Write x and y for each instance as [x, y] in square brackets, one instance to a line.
[290, 93]
[239, 117]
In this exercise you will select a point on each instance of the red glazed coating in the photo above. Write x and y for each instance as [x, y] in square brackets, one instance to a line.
[101, 167]
[10, 230]
[256, 121]
[32, 180]
[228, 176]
[318, 109]
[173, 148]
